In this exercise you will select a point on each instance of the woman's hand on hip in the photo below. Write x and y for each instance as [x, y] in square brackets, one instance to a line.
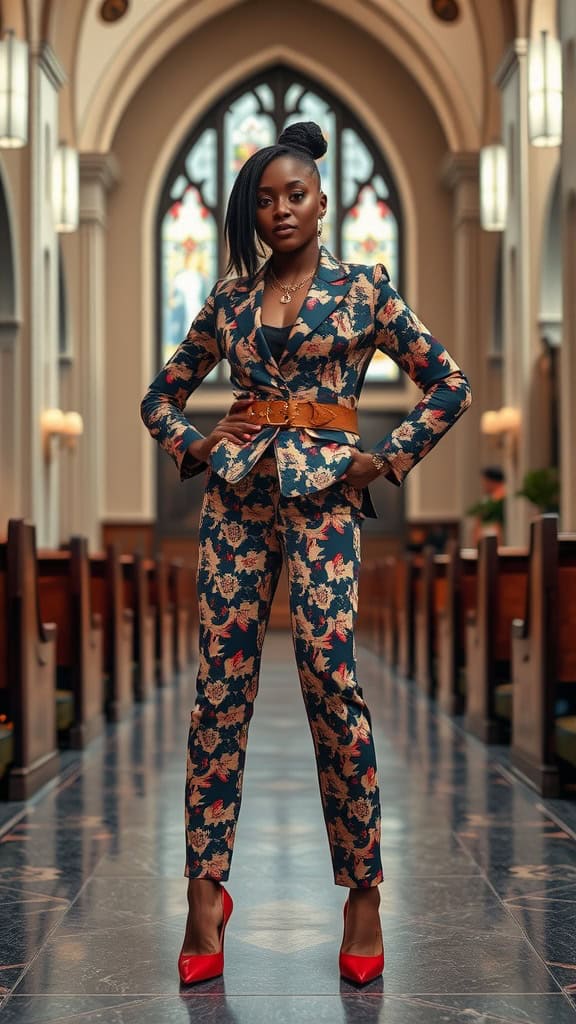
[361, 470]
[234, 426]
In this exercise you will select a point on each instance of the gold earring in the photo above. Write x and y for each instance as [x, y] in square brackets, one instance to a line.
[320, 226]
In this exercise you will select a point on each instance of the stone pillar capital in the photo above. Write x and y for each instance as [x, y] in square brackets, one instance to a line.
[460, 174]
[48, 62]
[102, 168]
[515, 53]
[460, 167]
[99, 173]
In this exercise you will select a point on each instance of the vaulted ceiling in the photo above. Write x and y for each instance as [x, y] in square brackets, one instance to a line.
[453, 63]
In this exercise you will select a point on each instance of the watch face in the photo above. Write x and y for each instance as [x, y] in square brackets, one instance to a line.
[446, 10]
[113, 10]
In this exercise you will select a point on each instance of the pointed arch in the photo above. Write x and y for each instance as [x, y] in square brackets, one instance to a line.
[102, 105]
[364, 221]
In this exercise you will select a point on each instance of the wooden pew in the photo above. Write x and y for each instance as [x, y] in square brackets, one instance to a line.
[501, 596]
[369, 600]
[27, 669]
[544, 661]
[159, 597]
[461, 567]
[192, 606]
[407, 584]
[380, 585]
[388, 642]
[107, 598]
[64, 587]
[136, 597]
[182, 625]
[187, 596]
[431, 600]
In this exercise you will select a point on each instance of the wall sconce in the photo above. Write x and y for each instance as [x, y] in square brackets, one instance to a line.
[493, 187]
[13, 92]
[66, 189]
[68, 426]
[545, 91]
[504, 424]
[51, 423]
[510, 420]
[490, 423]
[72, 429]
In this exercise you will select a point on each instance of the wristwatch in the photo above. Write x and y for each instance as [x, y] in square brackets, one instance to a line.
[379, 461]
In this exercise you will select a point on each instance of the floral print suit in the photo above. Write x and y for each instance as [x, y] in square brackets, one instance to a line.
[280, 497]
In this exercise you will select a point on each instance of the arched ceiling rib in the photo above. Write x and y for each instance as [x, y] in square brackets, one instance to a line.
[104, 88]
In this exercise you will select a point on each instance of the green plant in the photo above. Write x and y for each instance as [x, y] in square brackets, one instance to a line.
[542, 488]
[488, 510]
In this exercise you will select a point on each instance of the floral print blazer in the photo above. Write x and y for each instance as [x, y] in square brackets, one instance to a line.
[350, 311]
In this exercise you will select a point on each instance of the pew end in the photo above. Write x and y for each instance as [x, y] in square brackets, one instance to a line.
[64, 585]
[183, 618]
[107, 600]
[136, 597]
[28, 690]
[544, 663]
[502, 577]
[453, 619]
[159, 596]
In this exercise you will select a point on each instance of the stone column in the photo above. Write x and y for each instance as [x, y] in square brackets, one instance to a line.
[473, 280]
[10, 427]
[530, 176]
[86, 261]
[512, 79]
[40, 346]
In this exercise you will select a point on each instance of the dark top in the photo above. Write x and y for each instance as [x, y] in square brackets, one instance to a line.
[276, 338]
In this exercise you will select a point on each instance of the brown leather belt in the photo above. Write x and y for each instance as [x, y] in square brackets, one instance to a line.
[296, 413]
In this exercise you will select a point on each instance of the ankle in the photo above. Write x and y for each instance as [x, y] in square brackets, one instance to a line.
[370, 896]
[203, 892]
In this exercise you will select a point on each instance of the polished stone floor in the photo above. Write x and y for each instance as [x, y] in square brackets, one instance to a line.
[478, 905]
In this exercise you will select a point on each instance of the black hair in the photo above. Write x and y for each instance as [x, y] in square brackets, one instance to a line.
[303, 140]
[494, 473]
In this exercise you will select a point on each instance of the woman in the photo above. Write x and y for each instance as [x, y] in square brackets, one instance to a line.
[287, 478]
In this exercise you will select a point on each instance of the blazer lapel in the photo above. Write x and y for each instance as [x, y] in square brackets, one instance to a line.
[329, 287]
[246, 306]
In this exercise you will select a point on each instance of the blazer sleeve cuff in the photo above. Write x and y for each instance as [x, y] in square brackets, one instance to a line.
[189, 466]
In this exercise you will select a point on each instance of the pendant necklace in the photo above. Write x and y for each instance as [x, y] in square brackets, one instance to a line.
[288, 290]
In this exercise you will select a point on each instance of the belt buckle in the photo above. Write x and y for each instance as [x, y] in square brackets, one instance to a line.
[276, 423]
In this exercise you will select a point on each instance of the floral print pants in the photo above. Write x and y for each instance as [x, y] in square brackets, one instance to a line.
[246, 530]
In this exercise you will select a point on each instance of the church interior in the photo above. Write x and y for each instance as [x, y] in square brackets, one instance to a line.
[452, 160]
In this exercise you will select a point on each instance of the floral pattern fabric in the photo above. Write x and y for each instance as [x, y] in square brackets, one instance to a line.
[247, 529]
[349, 312]
[281, 496]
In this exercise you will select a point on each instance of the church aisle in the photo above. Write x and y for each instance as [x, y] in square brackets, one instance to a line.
[478, 904]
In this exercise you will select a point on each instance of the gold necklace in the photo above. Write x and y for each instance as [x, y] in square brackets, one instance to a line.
[288, 290]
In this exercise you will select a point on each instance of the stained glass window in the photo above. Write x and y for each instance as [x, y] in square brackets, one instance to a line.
[363, 221]
[189, 243]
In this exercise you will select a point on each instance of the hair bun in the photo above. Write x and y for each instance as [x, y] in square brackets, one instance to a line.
[304, 135]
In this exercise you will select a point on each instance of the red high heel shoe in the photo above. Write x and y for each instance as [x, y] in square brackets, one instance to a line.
[360, 969]
[194, 967]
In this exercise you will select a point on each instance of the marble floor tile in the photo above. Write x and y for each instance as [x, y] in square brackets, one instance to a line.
[281, 947]
[26, 921]
[477, 906]
[343, 1008]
